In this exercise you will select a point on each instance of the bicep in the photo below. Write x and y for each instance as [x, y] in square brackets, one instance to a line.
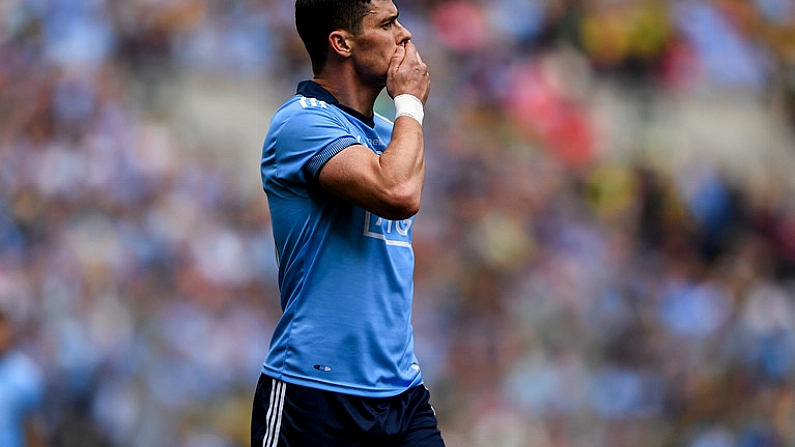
[353, 175]
[388, 185]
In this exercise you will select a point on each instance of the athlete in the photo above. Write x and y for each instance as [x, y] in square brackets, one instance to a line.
[21, 392]
[343, 185]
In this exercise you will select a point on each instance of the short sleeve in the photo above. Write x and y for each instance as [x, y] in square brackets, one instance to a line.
[307, 140]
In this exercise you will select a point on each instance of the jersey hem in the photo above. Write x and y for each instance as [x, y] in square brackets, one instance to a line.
[342, 389]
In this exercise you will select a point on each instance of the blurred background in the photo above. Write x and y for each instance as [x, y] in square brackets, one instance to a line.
[605, 253]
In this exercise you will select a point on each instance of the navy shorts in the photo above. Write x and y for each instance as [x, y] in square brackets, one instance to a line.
[287, 415]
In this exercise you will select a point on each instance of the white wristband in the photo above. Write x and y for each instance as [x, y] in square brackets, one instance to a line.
[409, 105]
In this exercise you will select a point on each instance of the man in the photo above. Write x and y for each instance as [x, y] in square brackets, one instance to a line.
[21, 393]
[343, 185]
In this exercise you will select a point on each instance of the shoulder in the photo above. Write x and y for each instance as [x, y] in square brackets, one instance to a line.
[304, 133]
[305, 108]
[303, 116]
[24, 372]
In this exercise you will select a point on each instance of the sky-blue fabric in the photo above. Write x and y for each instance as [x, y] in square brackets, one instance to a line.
[345, 275]
[21, 394]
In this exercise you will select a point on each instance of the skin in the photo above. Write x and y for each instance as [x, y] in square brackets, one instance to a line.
[6, 335]
[358, 68]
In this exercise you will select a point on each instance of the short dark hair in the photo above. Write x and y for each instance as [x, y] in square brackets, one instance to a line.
[316, 19]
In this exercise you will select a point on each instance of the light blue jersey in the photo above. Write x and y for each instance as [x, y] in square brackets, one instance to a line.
[21, 395]
[345, 275]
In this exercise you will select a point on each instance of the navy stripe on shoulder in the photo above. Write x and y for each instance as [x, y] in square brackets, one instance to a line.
[318, 160]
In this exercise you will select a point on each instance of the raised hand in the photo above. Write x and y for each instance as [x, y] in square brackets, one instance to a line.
[408, 73]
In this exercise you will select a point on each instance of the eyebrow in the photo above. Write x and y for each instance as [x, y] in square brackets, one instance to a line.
[391, 18]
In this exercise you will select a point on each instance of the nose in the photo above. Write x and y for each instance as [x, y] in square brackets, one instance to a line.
[404, 35]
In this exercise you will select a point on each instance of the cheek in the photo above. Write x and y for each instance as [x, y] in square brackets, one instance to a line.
[380, 50]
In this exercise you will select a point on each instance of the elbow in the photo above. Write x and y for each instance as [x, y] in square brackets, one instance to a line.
[402, 203]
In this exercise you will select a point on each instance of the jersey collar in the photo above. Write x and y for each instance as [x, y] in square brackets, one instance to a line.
[311, 89]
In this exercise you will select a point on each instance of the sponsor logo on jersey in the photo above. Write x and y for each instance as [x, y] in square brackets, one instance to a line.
[393, 232]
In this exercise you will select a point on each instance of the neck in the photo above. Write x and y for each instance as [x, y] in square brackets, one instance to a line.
[350, 91]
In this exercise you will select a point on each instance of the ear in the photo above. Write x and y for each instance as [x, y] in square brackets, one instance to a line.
[341, 43]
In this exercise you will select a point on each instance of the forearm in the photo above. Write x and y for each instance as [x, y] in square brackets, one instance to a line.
[403, 161]
[403, 165]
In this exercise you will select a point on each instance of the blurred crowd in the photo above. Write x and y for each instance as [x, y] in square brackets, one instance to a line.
[588, 273]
